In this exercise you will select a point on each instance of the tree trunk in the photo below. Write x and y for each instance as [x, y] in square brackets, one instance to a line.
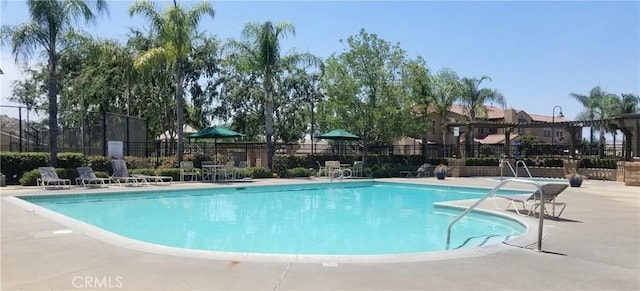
[268, 120]
[603, 141]
[52, 84]
[180, 108]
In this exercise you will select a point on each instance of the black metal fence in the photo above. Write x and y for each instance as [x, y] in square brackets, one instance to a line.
[24, 130]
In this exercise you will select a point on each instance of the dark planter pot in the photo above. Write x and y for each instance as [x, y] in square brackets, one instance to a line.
[575, 182]
[440, 175]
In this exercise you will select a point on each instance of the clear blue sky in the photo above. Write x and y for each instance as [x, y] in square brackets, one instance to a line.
[537, 53]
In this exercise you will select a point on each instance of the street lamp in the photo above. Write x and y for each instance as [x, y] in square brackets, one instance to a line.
[553, 128]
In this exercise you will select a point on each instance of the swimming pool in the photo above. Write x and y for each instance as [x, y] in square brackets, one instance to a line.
[355, 218]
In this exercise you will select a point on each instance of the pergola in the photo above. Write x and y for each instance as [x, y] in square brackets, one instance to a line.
[628, 124]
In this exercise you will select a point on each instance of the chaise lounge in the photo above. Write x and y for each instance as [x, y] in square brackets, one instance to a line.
[49, 178]
[551, 191]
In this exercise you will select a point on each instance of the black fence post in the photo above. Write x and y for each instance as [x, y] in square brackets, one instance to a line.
[104, 133]
[128, 153]
[20, 128]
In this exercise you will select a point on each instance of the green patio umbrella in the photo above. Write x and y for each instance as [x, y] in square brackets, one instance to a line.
[215, 132]
[339, 135]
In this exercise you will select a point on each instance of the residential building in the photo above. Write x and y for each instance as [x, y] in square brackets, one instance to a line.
[459, 113]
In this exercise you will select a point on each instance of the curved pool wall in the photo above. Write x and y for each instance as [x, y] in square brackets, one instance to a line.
[119, 240]
[536, 179]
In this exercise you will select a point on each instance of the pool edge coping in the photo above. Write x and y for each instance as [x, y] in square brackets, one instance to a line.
[116, 240]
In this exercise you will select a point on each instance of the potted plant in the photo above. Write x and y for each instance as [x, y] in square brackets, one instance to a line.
[575, 179]
[441, 171]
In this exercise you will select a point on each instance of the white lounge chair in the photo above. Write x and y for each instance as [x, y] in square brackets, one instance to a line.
[551, 191]
[88, 178]
[121, 174]
[49, 178]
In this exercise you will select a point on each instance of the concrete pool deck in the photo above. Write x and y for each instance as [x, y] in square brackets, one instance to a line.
[595, 245]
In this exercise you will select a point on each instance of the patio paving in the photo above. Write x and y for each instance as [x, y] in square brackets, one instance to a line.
[594, 246]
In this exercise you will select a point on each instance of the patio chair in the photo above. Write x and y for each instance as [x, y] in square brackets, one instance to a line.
[321, 169]
[241, 170]
[551, 191]
[88, 178]
[357, 169]
[121, 174]
[423, 171]
[188, 170]
[226, 172]
[208, 171]
[49, 178]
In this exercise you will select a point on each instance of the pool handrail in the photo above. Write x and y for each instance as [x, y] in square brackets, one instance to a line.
[524, 165]
[492, 191]
[514, 172]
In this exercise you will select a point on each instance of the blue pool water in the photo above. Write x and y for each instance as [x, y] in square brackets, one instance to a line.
[330, 218]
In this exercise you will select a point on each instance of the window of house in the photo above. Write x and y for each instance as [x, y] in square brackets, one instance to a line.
[481, 130]
[433, 126]
[522, 120]
[547, 132]
[559, 133]
[493, 130]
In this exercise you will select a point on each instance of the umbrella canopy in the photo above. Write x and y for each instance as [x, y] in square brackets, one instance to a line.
[338, 134]
[215, 132]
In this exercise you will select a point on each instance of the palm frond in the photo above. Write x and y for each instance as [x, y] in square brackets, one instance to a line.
[195, 14]
[24, 39]
[151, 58]
[150, 11]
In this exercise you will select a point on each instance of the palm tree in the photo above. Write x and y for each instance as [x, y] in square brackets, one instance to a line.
[260, 54]
[51, 29]
[628, 104]
[176, 28]
[595, 107]
[590, 103]
[446, 92]
[474, 98]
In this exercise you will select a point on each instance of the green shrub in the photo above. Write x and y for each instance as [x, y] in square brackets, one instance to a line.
[553, 163]
[169, 162]
[71, 160]
[14, 165]
[482, 162]
[175, 173]
[598, 163]
[101, 174]
[29, 178]
[138, 162]
[150, 172]
[298, 172]
[99, 163]
[259, 172]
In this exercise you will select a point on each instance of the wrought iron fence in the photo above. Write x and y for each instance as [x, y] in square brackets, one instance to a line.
[24, 130]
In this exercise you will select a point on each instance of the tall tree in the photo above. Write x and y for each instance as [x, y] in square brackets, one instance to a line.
[591, 105]
[474, 97]
[50, 29]
[630, 103]
[364, 91]
[261, 52]
[418, 85]
[596, 106]
[446, 92]
[176, 28]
